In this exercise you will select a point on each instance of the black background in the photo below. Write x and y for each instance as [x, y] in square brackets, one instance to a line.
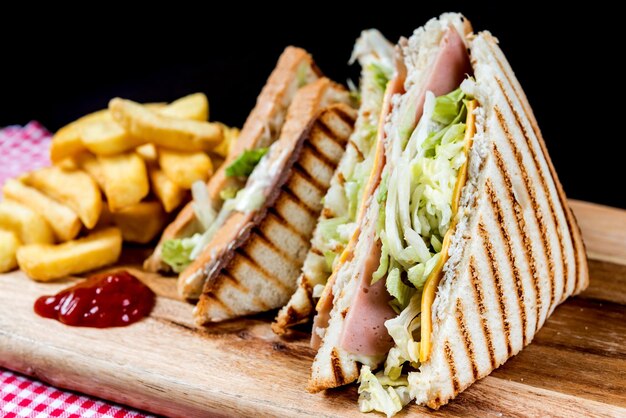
[57, 69]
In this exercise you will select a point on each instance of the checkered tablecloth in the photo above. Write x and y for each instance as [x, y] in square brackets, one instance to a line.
[23, 397]
[22, 149]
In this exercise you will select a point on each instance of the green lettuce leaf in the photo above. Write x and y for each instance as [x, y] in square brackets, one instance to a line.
[245, 163]
[398, 289]
[448, 107]
[176, 253]
[373, 396]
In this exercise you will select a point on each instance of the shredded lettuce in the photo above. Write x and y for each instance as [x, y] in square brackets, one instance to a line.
[344, 198]
[177, 252]
[427, 172]
[228, 192]
[381, 74]
[397, 288]
[245, 163]
[415, 213]
[374, 396]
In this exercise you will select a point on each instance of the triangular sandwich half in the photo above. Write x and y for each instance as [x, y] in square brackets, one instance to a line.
[467, 244]
[247, 255]
[295, 69]
[343, 201]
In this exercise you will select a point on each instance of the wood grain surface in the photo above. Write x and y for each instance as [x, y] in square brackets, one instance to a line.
[576, 366]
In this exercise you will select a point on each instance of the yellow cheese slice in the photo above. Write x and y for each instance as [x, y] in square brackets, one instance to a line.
[432, 282]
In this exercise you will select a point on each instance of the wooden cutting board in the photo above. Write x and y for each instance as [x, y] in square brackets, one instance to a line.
[576, 365]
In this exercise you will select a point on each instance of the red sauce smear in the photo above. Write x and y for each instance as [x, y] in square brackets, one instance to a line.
[115, 299]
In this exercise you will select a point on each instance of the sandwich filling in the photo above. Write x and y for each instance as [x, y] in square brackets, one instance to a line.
[419, 198]
[343, 201]
[427, 142]
[262, 167]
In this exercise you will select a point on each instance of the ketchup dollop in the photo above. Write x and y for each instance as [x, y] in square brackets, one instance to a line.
[115, 299]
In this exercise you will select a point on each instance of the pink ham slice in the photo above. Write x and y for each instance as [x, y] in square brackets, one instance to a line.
[325, 305]
[364, 331]
[448, 71]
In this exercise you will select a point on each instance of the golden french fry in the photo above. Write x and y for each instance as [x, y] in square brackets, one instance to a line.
[107, 137]
[185, 168]
[230, 136]
[125, 179]
[88, 162]
[28, 225]
[9, 243]
[169, 193]
[148, 153]
[63, 221]
[44, 262]
[75, 189]
[165, 131]
[67, 141]
[141, 222]
[193, 107]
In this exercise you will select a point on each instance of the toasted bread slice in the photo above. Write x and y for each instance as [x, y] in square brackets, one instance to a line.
[295, 68]
[263, 269]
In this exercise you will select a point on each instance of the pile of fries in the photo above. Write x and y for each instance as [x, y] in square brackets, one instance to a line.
[116, 174]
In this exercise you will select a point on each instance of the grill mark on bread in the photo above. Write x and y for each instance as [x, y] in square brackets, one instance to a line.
[497, 281]
[227, 277]
[521, 227]
[335, 364]
[271, 212]
[344, 116]
[555, 219]
[291, 196]
[467, 338]
[329, 120]
[319, 155]
[300, 171]
[329, 133]
[479, 297]
[256, 266]
[306, 284]
[215, 299]
[340, 178]
[447, 351]
[356, 148]
[327, 213]
[506, 239]
[276, 249]
[573, 227]
[533, 201]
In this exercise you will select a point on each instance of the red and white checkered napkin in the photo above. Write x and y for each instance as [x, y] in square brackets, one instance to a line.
[22, 397]
[23, 149]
